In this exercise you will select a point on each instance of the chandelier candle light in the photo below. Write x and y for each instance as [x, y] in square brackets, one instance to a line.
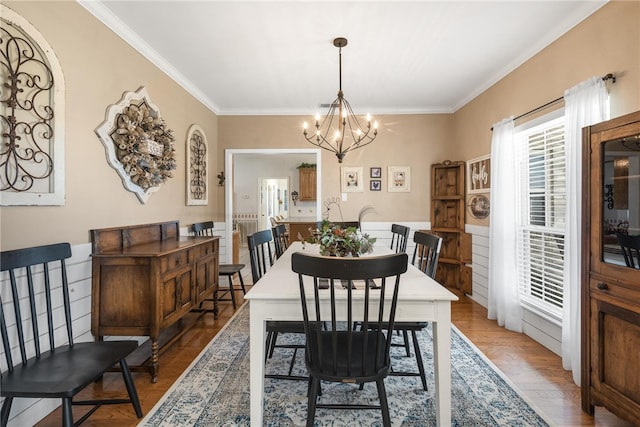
[329, 135]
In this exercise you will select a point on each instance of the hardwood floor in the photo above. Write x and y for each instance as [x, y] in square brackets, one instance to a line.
[535, 371]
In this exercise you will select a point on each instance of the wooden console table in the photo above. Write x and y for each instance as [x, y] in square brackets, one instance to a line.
[146, 278]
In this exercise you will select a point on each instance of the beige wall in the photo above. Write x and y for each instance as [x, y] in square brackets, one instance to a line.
[606, 42]
[98, 67]
[403, 140]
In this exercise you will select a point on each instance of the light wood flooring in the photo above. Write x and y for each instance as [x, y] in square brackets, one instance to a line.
[535, 371]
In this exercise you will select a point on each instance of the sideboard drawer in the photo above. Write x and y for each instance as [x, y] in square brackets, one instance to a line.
[175, 260]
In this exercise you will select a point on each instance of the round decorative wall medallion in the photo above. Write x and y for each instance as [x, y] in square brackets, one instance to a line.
[479, 206]
[138, 144]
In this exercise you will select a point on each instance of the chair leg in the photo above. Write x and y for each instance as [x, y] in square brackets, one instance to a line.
[6, 408]
[384, 405]
[313, 397]
[233, 294]
[405, 336]
[244, 291]
[131, 387]
[416, 349]
[267, 345]
[67, 413]
[272, 345]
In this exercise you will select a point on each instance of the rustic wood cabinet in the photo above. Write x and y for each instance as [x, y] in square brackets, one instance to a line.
[307, 184]
[146, 278]
[610, 288]
[447, 221]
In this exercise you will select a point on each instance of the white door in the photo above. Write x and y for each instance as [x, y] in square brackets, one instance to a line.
[274, 200]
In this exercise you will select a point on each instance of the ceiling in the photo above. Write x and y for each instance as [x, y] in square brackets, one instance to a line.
[277, 57]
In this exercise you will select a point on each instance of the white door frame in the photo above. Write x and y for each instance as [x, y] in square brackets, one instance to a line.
[228, 191]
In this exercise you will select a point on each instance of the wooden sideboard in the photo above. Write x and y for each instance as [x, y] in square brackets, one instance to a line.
[146, 279]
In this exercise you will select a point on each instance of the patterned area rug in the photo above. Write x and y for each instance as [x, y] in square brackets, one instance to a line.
[214, 390]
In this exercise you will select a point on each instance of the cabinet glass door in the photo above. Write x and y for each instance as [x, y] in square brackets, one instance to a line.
[621, 201]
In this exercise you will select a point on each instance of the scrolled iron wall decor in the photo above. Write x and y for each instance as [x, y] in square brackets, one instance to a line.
[138, 144]
[197, 166]
[32, 116]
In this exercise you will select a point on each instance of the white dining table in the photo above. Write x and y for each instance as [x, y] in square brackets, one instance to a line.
[276, 296]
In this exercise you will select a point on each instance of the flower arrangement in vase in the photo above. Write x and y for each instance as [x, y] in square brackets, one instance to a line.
[336, 241]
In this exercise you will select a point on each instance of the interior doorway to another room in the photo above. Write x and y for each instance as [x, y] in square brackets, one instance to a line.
[247, 208]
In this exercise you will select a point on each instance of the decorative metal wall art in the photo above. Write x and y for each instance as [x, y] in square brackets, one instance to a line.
[32, 116]
[138, 144]
[197, 166]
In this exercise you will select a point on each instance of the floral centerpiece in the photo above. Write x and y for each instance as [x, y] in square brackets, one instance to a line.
[335, 241]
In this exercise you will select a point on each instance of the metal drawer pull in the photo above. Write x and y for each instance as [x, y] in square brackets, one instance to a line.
[603, 286]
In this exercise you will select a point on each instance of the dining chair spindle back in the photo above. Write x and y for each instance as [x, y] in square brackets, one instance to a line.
[280, 239]
[339, 351]
[630, 246]
[399, 238]
[229, 270]
[52, 365]
[262, 258]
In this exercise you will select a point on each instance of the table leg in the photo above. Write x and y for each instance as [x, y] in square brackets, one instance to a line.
[257, 336]
[442, 364]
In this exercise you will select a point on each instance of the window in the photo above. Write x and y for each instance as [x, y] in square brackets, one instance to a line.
[541, 219]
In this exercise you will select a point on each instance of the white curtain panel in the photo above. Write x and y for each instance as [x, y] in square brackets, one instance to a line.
[585, 104]
[504, 303]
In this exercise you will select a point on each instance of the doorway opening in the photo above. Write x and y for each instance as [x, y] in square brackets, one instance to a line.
[245, 168]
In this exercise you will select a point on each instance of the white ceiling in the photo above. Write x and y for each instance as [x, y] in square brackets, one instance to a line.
[277, 57]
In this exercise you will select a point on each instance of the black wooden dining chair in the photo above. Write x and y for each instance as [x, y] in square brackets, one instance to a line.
[280, 239]
[630, 246]
[399, 238]
[261, 258]
[336, 350]
[228, 270]
[425, 257]
[52, 366]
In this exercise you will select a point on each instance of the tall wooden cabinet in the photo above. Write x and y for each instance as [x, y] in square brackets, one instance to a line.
[447, 221]
[611, 289]
[307, 184]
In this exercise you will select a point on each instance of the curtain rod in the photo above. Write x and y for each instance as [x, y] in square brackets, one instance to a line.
[609, 76]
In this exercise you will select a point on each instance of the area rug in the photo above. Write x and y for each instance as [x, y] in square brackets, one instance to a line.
[214, 390]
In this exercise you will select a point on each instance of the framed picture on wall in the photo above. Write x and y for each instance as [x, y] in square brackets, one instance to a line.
[375, 185]
[351, 179]
[399, 179]
[479, 175]
[375, 172]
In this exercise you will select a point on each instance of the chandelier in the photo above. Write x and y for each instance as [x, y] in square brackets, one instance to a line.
[341, 122]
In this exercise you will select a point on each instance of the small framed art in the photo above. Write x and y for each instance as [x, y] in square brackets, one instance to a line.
[399, 179]
[375, 173]
[375, 185]
[351, 179]
[479, 175]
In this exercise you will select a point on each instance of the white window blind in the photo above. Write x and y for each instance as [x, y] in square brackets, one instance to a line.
[542, 217]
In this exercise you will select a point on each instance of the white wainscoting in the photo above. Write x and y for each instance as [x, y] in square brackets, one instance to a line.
[27, 412]
[543, 330]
